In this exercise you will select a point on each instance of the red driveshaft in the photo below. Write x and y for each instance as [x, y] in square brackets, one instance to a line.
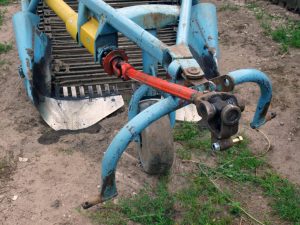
[180, 91]
[115, 62]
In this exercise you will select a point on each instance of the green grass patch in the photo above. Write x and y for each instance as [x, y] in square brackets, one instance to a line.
[5, 2]
[150, 206]
[189, 135]
[240, 165]
[286, 196]
[5, 47]
[286, 33]
[201, 201]
[184, 154]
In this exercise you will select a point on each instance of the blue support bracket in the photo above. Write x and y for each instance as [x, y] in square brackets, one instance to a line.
[119, 144]
[265, 85]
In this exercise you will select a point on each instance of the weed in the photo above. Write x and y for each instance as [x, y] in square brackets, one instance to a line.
[66, 151]
[228, 7]
[5, 2]
[2, 13]
[202, 203]
[4, 48]
[184, 154]
[287, 33]
[6, 167]
[235, 208]
[240, 165]
[286, 196]
[186, 131]
[189, 135]
[147, 207]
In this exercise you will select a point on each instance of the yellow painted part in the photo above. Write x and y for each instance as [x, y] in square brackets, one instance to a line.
[71, 26]
[88, 33]
[63, 10]
[70, 17]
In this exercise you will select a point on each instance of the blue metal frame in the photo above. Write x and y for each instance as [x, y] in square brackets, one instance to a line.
[24, 24]
[183, 26]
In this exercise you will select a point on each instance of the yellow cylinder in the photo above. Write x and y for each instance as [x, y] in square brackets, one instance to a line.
[61, 9]
[66, 13]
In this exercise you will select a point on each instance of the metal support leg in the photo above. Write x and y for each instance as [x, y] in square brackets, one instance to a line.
[263, 81]
[184, 22]
[122, 139]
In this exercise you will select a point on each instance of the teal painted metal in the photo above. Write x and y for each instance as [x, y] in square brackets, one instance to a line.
[119, 144]
[184, 22]
[150, 64]
[265, 85]
[203, 34]
[33, 6]
[24, 24]
[203, 37]
[24, 4]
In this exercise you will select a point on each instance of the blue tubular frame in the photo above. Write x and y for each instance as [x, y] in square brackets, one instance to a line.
[265, 85]
[184, 22]
[24, 24]
[120, 142]
[33, 5]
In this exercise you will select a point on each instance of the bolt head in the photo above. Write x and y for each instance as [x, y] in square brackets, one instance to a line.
[193, 70]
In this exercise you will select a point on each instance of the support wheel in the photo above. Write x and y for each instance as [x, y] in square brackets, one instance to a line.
[156, 149]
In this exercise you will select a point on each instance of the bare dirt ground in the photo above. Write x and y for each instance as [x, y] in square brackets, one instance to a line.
[63, 169]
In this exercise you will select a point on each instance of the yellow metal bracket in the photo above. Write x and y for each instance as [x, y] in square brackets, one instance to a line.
[70, 17]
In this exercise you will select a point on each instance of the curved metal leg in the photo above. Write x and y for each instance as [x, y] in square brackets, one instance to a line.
[263, 81]
[119, 144]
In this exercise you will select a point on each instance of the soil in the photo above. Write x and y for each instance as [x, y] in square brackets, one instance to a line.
[63, 168]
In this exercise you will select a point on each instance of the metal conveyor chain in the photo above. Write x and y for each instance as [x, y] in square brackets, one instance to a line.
[75, 74]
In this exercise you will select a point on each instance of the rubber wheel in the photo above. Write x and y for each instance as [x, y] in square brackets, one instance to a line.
[156, 149]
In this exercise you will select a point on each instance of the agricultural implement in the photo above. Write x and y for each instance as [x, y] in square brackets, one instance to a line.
[80, 59]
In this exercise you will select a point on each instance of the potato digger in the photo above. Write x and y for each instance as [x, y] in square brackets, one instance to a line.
[80, 59]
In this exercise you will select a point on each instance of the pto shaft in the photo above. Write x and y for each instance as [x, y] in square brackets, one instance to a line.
[115, 62]
[157, 83]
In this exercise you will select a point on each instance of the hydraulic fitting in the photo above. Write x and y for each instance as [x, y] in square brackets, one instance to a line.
[224, 144]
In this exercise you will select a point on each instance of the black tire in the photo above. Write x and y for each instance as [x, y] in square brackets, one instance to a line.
[156, 150]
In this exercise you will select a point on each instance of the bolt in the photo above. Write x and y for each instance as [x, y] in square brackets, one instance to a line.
[216, 147]
[193, 70]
